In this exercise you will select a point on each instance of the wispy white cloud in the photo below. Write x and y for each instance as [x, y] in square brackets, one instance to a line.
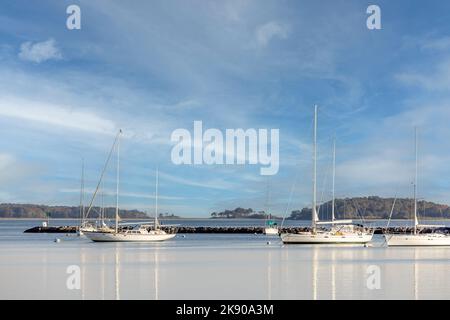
[266, 32]
[378, 169]
[109, 192]
[214, 65]
[12, 170]
[442, 43]
[5, 161]
[212, 183]
[39, 51]
[437, 79]
[48, 114]
[436, 75]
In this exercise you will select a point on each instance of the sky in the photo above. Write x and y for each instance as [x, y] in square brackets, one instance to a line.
[151, 67]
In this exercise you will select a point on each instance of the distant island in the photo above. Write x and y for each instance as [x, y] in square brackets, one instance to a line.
[371, 207]
[241, 213]
[36, 211]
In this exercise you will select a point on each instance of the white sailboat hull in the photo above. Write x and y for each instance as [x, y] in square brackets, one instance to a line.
[271, 231]
[325, 238]
[125, 237]
[416, 240]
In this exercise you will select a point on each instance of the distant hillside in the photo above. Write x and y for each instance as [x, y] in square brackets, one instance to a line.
[240, 213]
[354, 208]
[9, 210]
[375, 208]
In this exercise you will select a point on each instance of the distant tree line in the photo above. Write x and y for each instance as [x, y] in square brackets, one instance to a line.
[9, 210]
[240, 213]
[372, 207]
[168, 216]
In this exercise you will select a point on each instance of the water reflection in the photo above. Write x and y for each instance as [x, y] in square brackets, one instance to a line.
[333, 275]
[220, 271]
[117, 273]
[416, 274]
[143, 276]
[405, 273]
[83, 273]
[269, 275]
[315, 271]
[156, 273]
[102, 276]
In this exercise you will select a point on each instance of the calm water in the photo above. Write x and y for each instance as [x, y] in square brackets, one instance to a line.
[215, 267]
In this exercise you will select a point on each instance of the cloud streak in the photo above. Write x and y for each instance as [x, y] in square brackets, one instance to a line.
[49, 114]
[108, 192]
[39, 51]
[270, 31]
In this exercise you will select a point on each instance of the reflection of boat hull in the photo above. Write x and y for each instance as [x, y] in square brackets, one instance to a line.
[416, 240]
[127, 237]
[270, 231]
[86, 228]
[325, 238]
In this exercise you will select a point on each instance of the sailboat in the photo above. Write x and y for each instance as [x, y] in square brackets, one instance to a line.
[84, 224]
[341, 231]
[271, 227]
[417, 238]
[141, 232]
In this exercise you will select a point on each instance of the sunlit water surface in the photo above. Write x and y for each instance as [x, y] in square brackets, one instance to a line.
[215, 266]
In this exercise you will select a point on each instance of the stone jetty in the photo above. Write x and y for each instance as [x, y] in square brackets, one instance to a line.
[224, 229]
[56, 229]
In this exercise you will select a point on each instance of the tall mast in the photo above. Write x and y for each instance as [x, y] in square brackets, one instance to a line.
[334, 178]
[102, 210]
[416, 222]
[82, 193]
[117, 181]
[156, 198]
[268, 214]
[314, 216]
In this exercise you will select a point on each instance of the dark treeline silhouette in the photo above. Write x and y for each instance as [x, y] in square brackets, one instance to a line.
[349, 208]
[240, 213]
[372, 207]
[375, 208]
[10, 210]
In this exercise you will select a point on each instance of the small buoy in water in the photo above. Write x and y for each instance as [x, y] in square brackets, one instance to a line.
[268, 242]
[184, 236]
[57, 240]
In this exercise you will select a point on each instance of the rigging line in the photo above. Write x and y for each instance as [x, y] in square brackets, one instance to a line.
[424, 208]
[357, 211]
[267, 204]
[392, 211]
[293, 186]
[343, 213]
[325, 180]
[290, 198]
[442, 213]
[102, 174]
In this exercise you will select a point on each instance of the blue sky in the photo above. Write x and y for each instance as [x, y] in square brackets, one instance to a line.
[150, 67]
